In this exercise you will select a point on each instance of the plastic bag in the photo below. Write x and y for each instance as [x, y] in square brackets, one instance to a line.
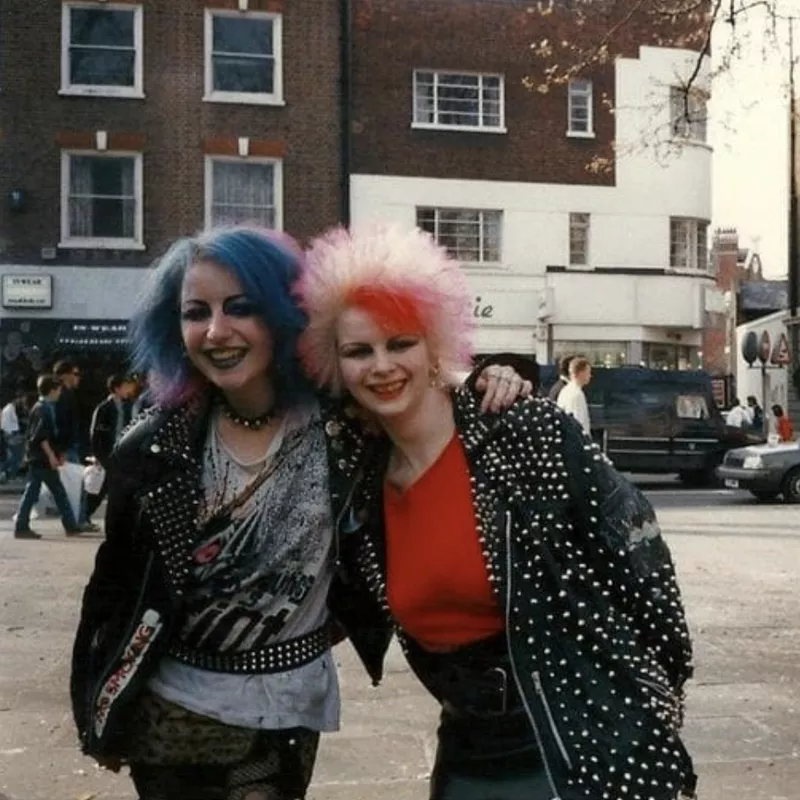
[72, 479]
[94, 477]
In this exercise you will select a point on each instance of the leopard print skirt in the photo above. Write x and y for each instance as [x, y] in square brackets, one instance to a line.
[176, 754]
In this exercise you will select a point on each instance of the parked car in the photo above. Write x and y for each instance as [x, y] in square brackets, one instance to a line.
[660, 421]
[767, 471]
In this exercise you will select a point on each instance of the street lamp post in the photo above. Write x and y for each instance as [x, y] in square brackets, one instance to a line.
[794, 229]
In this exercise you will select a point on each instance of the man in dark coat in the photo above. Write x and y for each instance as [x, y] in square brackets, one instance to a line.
[108, 421]
[67, 415]
[43, 457]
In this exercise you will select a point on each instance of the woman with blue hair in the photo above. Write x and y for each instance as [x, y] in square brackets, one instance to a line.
[202, 657]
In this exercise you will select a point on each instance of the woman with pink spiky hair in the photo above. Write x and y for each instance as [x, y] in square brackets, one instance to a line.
[525, 578]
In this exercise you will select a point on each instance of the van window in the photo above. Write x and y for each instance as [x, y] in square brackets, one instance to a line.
[692, 406]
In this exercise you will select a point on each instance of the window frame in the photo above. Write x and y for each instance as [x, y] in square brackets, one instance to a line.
[481, 264]
[212, 95]
[439, 126]
[67, 241]
[695, 245]
[208, 188]
[694, 131]
[586, 226]
[135, 92]
[589, 94]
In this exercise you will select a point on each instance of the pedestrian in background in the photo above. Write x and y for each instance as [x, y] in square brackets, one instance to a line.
[739, 416]
[783, 425]
[12, 419]
[572, 397]
[527, 581]
[756, 413]
[44, 457]
[67, 415]
[108, 421]
[563, 376]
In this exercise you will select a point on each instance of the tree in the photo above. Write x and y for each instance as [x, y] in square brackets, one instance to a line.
[592, 34]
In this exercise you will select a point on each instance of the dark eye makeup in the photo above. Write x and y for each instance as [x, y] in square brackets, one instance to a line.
[397, 344]
[236, 306]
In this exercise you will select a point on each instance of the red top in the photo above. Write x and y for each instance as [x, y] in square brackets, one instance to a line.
[785, 429]
[437, 585]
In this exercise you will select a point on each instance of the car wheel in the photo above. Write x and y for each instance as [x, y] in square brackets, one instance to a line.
[791, 487]
[765, 497]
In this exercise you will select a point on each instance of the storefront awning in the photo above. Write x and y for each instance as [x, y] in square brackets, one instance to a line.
[93, 335]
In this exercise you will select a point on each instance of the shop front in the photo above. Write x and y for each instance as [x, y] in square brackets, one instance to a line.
[30, 347]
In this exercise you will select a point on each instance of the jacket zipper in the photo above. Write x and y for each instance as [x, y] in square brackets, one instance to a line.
[121, 649]
[537, 681]
[656, 687]
[536, 732]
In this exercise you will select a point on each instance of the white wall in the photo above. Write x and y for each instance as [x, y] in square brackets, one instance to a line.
[749, 380]
[629, 223]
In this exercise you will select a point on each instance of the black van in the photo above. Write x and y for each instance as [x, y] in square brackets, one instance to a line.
[658, 421]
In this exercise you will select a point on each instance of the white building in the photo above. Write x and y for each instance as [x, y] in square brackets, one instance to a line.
[617, 272]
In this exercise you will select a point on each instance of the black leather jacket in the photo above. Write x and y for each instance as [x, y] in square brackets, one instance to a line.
[136, 591]
[594, 620]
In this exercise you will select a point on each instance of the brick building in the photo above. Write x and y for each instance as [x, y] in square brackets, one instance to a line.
[561, 258]
[126, 124]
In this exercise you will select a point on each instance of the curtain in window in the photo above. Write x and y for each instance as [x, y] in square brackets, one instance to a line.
[243, 193]
[80, 197]
[102, 197]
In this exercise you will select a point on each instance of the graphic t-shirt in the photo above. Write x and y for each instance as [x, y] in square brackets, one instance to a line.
[261, 573]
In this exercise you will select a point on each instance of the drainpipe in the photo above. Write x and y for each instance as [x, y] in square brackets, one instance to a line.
[345, 106]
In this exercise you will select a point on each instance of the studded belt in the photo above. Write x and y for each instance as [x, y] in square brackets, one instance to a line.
[278, 657]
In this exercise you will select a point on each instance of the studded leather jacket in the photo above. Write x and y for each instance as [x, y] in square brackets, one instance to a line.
[595, 626]
[137, 589]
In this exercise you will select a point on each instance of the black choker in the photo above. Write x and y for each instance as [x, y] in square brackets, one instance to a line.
[253, 423]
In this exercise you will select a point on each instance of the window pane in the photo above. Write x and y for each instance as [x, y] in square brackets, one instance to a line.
[492, 235]
[243, 193]
[243, 74]
[101, 28]
[702, 245]
[469, 235]
[458, 99]
[424, 103]
[101, 67]
[110, 220]
[426, 219]
[235, 35]
[102, 201]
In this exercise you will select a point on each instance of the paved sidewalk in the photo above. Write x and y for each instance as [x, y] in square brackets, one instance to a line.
[744, 710]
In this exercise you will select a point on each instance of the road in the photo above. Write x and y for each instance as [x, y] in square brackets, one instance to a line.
[738, 564]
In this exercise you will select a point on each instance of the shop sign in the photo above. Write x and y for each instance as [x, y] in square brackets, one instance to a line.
[27, 291]
[506, 309]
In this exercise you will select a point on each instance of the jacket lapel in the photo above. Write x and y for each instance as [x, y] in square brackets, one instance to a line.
[488, 473]
[171, 503]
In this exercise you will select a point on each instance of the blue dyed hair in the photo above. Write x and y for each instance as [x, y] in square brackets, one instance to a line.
[266, 264]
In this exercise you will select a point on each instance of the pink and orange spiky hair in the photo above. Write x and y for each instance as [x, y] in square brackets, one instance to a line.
[401, 276]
